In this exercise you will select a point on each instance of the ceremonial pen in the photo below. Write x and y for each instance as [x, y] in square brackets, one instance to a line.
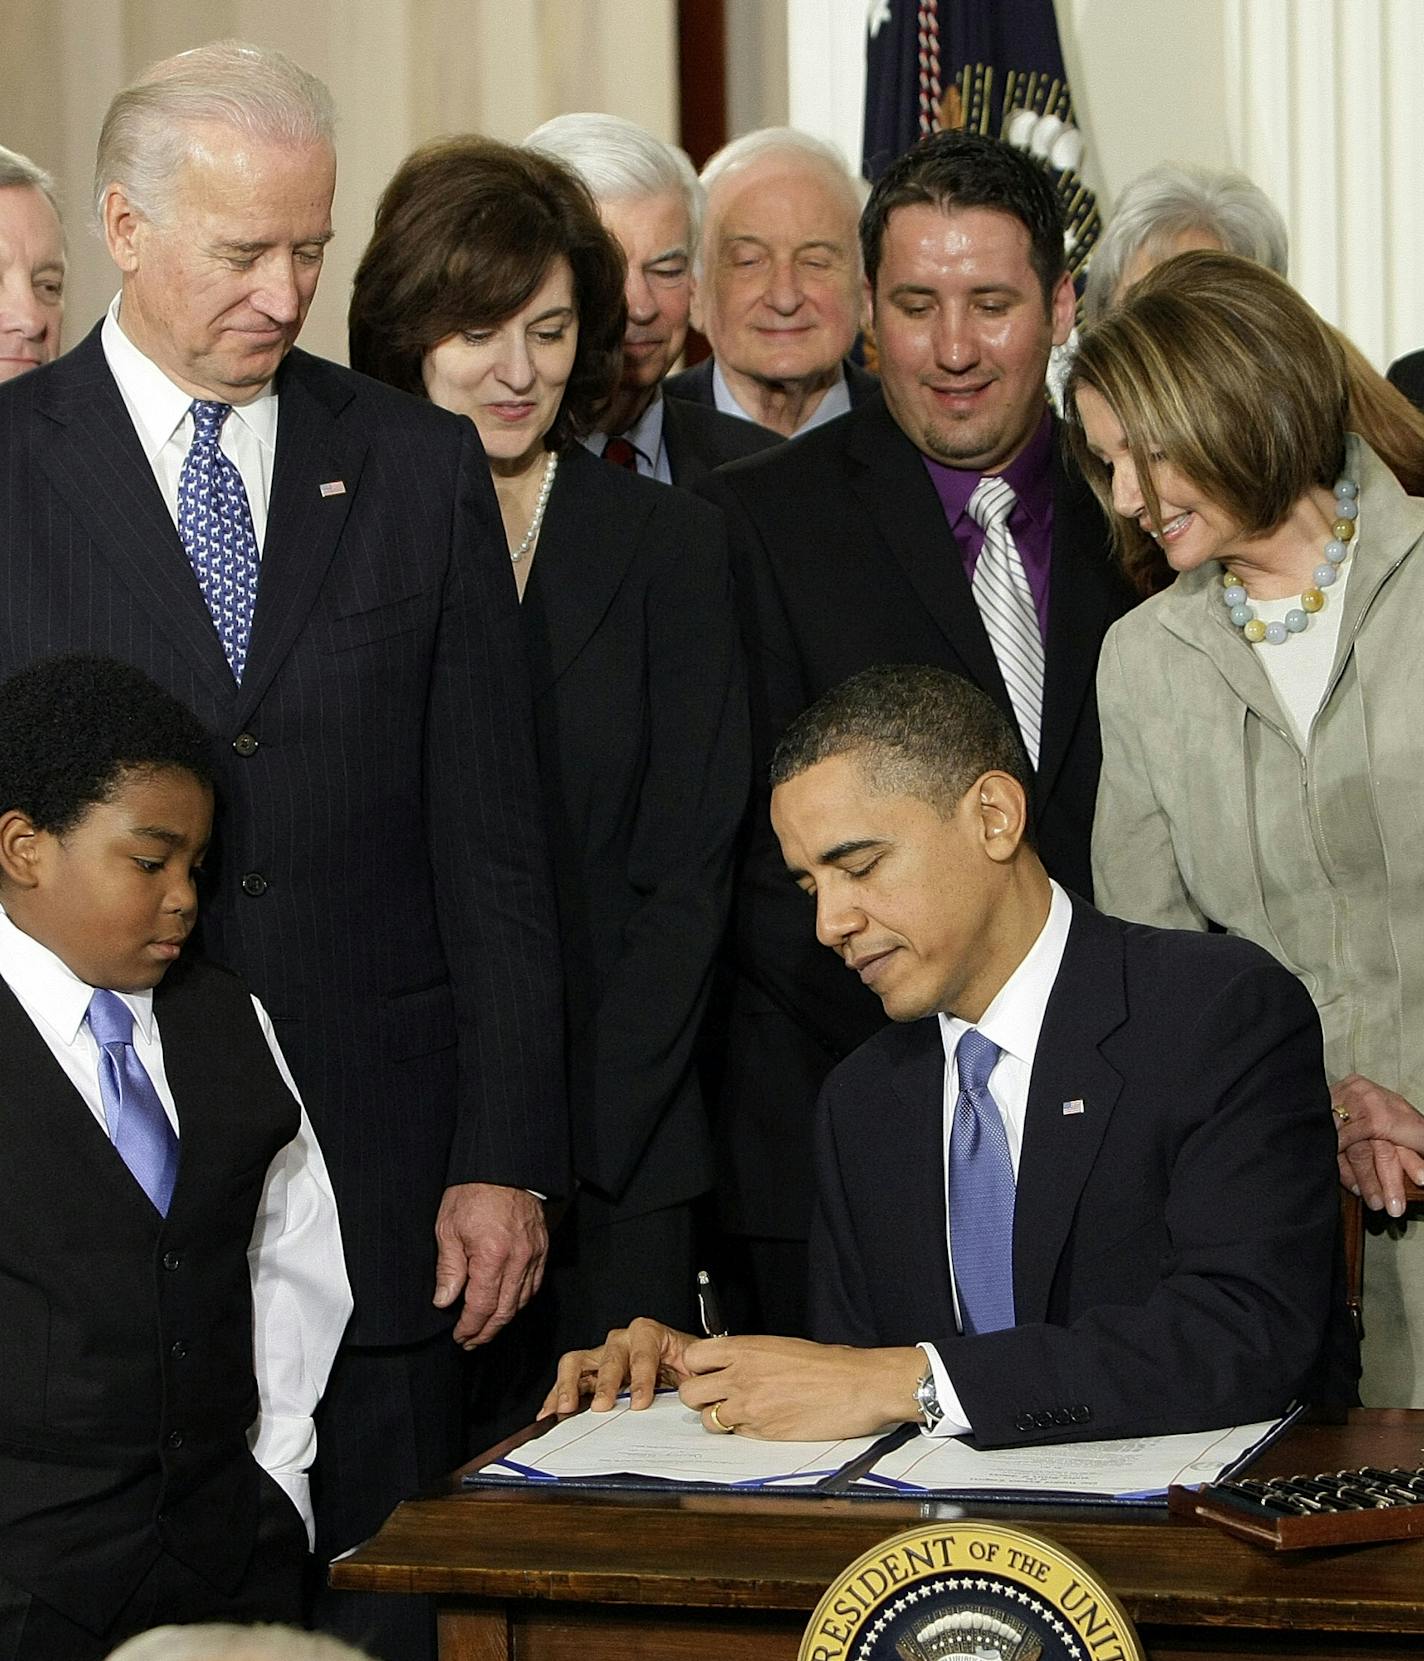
[709, 1306]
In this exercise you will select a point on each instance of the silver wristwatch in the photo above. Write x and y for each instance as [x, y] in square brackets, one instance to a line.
[927, 1397]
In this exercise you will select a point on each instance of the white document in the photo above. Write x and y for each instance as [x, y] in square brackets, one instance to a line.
[1132, 1468]
[667, 1443]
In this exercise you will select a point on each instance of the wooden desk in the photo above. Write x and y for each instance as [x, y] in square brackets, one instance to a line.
[535, 1575]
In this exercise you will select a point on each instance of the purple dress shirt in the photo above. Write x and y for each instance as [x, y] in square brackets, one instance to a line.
[1030, 476]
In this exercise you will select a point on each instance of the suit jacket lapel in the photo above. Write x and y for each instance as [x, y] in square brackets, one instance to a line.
[888, 476]
[93, 458]
[591, 529]
[303, 524]
[684, 463]
[1192, 610]
[1087, 1003]
[1086, 593]
[912, 1160]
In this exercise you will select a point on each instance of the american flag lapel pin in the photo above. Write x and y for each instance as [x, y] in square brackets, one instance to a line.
[334, 487]
[1075, 1106]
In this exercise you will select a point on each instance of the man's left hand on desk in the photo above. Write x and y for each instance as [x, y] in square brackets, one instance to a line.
[781, 1389]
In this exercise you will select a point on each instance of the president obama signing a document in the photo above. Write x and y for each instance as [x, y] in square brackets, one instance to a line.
[1084, 1187]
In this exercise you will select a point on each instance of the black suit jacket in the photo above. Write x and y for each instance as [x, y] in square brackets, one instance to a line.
[379, 872]
[699, 438]
[694, 385]
[1175, 1244]
[843, 559]
[641, 716]
[1407, 373]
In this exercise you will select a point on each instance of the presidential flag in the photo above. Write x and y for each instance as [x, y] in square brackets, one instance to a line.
[990, 66]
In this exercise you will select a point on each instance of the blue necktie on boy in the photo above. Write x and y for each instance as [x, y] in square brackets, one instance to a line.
[138, 1126]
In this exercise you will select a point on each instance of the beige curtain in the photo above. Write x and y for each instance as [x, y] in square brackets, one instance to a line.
[1324, 111]
[401, 71]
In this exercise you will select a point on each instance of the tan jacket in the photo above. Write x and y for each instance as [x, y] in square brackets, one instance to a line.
[1208, 809]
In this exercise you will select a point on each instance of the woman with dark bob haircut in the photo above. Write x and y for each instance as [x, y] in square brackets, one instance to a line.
[491, 287]
[1263, 746]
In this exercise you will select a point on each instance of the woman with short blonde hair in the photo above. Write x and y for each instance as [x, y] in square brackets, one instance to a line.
[1263, 748]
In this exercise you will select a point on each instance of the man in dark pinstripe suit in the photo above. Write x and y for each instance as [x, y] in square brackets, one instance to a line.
[379, 873]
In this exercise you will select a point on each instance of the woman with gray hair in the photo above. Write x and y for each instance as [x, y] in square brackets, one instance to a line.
[1172, 209]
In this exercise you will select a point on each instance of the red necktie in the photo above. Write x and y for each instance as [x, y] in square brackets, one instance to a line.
[621, 453]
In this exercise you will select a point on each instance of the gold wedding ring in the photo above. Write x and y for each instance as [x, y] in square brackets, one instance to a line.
[1342, 1114]
[716, 1419]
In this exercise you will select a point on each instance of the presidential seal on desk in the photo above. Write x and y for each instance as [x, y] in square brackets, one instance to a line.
[969, 1592]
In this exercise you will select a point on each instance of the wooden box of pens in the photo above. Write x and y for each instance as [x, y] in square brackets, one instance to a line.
[1333, 1508]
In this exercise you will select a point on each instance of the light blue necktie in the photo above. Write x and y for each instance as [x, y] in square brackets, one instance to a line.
[138, 1126]
[215, 524]
[981, 1194]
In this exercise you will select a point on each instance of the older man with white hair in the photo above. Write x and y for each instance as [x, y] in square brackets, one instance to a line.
[31, 266]
[778, 290]
[315, 564]
[650, 198]
[223, 1641]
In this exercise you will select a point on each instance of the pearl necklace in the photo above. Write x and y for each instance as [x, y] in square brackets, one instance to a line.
[546, 484]
[1312, 599]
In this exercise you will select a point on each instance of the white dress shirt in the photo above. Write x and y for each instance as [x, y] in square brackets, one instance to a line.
[836, 401]
[301, 1299]
[159, 411]
[1013, 1021]
[650, 456]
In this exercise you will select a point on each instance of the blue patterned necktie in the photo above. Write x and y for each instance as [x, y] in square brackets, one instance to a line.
[215, 524]
[138, 1126]
[981, 1194]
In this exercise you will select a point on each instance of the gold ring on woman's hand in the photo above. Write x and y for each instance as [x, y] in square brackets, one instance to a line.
[716, 1419]
[1342, 1114]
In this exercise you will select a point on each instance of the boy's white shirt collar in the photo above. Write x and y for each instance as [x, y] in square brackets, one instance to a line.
[50, 991]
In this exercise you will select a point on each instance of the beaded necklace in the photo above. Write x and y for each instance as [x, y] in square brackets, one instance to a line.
[1312, 599]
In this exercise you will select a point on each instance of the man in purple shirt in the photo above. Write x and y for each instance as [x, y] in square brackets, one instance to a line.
[939, 523]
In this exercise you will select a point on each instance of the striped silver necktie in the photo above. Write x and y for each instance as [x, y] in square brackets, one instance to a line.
[1005, 603]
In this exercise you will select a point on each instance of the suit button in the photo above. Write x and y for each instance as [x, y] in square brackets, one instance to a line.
[1043, 1421]
[1062, 1417]
[254, 883]
[171, 1261]
[246, 744]
[175, 1438]
[179, 1351]
[1081, 1414]
[1024, 1422]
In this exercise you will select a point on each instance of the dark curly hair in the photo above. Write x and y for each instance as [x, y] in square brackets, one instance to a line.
[465, 233]
[72, 727]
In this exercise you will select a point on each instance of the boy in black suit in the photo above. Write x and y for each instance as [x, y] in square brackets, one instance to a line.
[172, 1286]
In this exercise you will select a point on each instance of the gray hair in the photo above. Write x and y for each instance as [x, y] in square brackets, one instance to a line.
[1167, 200]
[763, 142]
[148, 137]
[619, 160]
[16, 169]
[219, 1641]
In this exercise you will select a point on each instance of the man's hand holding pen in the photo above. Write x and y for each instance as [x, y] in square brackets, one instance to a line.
[782, 1389]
